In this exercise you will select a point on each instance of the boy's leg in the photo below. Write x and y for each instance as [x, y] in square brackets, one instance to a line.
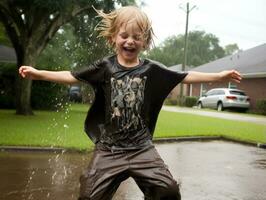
[103, 176]
[153, 176]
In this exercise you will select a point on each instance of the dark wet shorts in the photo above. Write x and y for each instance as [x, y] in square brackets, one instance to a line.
[108, 169]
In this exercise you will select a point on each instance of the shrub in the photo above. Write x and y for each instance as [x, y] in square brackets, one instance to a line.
[261, 106]
[170, 101]
[45, 95]
[7, 86]
[48, 96]
[182, 101]
[190, 101]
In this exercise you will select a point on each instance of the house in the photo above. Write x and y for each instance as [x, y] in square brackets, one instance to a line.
[250, 63]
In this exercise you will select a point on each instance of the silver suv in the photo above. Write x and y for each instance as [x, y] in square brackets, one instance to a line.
[221, 98]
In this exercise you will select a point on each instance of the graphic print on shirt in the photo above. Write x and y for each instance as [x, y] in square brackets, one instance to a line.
[127, 98]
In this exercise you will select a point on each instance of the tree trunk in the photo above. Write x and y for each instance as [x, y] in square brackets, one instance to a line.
[23, 87]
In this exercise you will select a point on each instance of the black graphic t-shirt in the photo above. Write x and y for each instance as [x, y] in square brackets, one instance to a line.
[127, 100]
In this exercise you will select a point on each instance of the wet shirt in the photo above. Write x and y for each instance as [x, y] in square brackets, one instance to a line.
[127, 100]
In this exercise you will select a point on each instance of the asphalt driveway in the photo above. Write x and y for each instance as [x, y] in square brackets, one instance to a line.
[211, 170]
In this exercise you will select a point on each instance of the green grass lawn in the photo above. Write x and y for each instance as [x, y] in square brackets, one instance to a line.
[65, 129]
[172, 124]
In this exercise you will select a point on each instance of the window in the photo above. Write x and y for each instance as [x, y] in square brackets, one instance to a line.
[236, 92]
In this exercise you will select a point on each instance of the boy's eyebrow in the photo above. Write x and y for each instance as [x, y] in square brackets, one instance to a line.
[125, 32]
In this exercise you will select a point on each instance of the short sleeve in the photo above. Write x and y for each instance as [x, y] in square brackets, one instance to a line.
[93, 73]
[164, 80]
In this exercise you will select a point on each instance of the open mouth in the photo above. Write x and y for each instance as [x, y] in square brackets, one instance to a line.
[129, 49]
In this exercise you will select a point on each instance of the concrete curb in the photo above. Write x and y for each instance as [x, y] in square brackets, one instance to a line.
[181, 139]
[155, 141]
[42, 149]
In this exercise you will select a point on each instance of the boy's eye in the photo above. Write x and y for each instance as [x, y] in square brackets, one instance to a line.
[137, 37]
[124, 36]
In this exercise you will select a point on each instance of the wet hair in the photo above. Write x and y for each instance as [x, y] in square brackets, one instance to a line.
[109, 26]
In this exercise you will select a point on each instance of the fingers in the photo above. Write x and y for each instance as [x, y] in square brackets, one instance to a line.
[236, 76]
[24, 70]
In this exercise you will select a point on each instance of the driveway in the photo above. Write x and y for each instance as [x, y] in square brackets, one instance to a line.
[211, 170]
[223, 115]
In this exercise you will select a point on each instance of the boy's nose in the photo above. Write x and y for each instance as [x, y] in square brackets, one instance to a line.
[130, 40]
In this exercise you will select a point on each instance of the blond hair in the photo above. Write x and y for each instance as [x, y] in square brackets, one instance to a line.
[111, 22]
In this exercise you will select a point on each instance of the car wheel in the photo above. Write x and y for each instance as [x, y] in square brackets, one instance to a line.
[220, 106]
[200, 105]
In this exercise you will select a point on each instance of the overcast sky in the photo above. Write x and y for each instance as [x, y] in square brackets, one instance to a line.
[232, 21]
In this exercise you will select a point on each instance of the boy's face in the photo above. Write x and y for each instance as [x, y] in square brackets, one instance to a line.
[129, 41]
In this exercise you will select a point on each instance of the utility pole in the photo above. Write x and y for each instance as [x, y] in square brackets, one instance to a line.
[184, 63]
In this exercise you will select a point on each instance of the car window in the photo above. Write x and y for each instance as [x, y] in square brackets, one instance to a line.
[210, 93]
[214, 92]
[220, 92]
[236, 92]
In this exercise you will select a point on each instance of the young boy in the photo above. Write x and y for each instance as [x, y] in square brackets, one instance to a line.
[129, 93]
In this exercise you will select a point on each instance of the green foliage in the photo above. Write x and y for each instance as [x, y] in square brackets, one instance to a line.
[261, 106]
[48, 96]
[45, 95]
[88, 46]
[169, 52]
[32, 24]
[56, 56]
[202, 48]
[231, 49]
[190, 101]
[170, 102]
[7, 87]
[4, 40]
[59, 52]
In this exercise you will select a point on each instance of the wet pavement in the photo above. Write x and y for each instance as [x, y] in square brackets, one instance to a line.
[213, 170]
[259, 119]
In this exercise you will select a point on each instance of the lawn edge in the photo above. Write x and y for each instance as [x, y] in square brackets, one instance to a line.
[155, 141]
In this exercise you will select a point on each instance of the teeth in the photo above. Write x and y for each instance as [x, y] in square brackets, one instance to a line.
[129, 49]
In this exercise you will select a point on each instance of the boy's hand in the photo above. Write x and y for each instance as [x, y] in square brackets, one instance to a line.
[29, 72]
[230, 75]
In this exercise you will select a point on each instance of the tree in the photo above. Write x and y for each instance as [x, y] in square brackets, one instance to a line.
[231, 49]
[4, 40]
[30, 25]
[169, 52]
[202, 48]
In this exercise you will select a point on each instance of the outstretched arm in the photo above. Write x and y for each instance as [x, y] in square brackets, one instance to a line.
[200, 77]
[64, 77]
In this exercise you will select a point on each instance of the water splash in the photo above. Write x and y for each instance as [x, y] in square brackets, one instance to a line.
[56, 163]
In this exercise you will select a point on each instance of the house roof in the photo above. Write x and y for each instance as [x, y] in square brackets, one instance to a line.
[7, 54]
[179, 68]
[251, 62]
